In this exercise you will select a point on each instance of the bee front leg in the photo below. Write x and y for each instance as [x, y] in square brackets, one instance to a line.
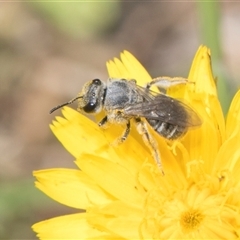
[149, 141]
[163, 83]
[103, 122]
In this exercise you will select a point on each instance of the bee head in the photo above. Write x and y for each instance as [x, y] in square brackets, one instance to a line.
[90, 99]
[93, 94]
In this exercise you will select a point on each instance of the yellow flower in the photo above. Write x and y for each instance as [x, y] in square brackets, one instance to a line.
[121, 189]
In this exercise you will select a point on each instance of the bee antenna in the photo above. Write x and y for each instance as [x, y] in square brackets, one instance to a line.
[64, 104]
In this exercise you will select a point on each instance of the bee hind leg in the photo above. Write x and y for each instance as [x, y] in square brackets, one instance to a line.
[149, 141]
[163, 83]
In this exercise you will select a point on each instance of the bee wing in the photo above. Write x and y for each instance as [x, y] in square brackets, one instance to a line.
[148, 94]
[164, 108]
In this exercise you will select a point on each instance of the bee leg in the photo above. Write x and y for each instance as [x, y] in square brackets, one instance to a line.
[103, 122]
[126, 133]
[149, 141]
[163, 83]
[121, 139]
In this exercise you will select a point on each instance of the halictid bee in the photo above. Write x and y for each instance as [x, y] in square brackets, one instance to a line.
[123, 100]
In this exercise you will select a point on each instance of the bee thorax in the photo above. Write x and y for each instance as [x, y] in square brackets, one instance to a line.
[119, 95]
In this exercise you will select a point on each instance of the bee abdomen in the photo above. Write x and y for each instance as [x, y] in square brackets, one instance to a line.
[167, 130]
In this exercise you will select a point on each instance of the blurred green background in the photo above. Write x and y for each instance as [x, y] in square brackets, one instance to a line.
[48, 50]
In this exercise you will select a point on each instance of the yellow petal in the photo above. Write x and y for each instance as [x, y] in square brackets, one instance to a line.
[203, 98]
[119, 218]
[70, 187]
[116, 69]
[201, 72]
[233, 118]
[204, 89]
[228, 158]
[124, 227]
[202, 143]
[74, 227]
[135, 68]
[113, 178]
[219, 230]
[129, 67]
[73, 132]
[118, 208]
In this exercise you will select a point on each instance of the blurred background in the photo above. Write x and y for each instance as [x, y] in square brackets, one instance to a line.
[48, 50]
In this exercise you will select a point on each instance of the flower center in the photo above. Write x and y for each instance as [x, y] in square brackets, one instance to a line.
[190, 220]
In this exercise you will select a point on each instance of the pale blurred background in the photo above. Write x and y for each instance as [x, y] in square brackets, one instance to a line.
[48, 50]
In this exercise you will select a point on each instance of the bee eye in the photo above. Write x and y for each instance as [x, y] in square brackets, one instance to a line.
[96, 81]
[90, 107]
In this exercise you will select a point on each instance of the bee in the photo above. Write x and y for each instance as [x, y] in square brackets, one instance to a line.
[123, 100]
